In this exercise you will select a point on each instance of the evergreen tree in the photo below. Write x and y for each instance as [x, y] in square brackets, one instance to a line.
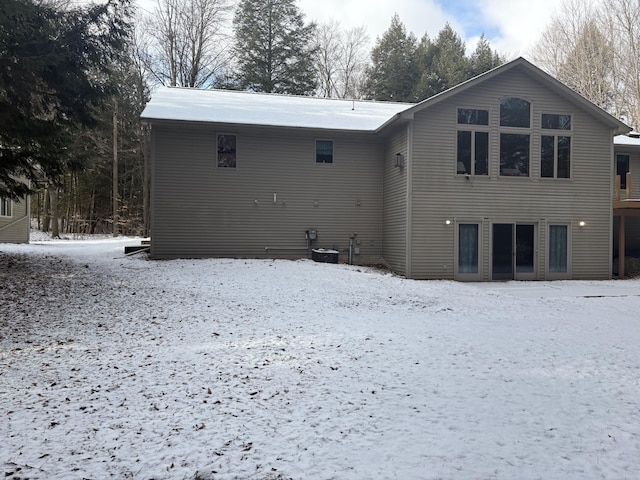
[274, 47]
[443, 63]
[54, 66]
[484, 58]
[393, 73]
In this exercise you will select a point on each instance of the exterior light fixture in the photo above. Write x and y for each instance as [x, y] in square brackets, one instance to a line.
[448, 222]
[399, 161]
[582, 223]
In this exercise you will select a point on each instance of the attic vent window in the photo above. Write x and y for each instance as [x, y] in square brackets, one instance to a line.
[324, 151]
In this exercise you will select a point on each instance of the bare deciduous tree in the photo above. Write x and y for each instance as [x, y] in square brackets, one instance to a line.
[594, 48]
[186, 41]
[341, 60]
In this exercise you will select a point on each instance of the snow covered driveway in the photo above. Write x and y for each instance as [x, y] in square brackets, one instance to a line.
[120, 367]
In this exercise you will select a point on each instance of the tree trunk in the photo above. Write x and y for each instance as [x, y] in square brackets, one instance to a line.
[55, 227]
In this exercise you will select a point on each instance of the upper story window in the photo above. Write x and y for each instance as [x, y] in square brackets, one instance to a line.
[226, 150]
[555, 147]
[473, 116]
[515, 112]
[552, 121]
[324, 151]
[473, 142]
[622, 167]
[555, 156]
[515, 137]
[5, 207]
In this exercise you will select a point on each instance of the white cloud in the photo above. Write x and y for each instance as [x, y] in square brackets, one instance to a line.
[518, 22]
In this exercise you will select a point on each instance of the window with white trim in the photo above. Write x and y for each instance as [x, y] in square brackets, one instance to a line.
[324, 151]
[472, 157]
[5, 207]
[558, 261]
[515, 137]
[555, 146]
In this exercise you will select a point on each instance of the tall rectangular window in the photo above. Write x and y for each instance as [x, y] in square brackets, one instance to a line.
[555, 156]
[5, 207]
[622, 167]
[324, 151]
[558, 246]
[226, 150]
[468, 248]
[514, 154]
[473, 142]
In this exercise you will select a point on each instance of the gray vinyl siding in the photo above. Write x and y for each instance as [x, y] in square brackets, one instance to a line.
[15, 229]
[440, 194]
[395, 203]
[201, 210]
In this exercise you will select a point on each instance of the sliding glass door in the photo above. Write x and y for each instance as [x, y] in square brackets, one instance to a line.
[513, 251]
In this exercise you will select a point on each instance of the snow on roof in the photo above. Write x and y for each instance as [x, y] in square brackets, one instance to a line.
[626, 140]
[246, 108]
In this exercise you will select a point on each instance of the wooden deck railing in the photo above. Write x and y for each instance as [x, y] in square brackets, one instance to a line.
[628, 186]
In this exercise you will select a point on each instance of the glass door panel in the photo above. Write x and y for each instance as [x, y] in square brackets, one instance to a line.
[502, 253]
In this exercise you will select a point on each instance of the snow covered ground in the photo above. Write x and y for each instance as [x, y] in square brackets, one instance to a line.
[121, 367]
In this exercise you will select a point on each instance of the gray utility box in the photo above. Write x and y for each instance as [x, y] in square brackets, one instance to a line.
[325, 256]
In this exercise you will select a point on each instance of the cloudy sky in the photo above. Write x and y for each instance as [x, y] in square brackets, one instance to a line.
[512, 26]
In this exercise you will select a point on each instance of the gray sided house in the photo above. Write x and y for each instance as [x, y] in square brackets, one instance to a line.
[14, 220]
[507, 176]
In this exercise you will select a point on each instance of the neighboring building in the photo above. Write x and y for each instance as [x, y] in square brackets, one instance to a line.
[14, 220]
[626, 209]
[506, 176]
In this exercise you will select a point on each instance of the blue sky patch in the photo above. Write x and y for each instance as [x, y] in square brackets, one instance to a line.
[469, 14]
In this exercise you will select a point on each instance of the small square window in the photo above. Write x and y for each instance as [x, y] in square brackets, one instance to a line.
[324, 151]
[226, 150]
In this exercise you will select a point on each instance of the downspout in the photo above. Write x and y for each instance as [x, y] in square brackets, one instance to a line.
[409, 215]
[612, 176]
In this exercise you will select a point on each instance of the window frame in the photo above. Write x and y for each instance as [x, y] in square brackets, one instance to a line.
[473, 129]
[559, 275]
[220, 162]
[623, 178]
[333, 151]
[504, 130]
[468, 276]
[6, 207]
[556, 156]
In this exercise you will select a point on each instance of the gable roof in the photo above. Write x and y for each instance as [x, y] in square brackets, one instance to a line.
[263, 109]
[550, 82]
[247, 108]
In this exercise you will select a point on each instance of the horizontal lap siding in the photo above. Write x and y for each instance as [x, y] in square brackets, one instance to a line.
[15, 229]
[200, 210]
[395, 203]
[440, 194]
